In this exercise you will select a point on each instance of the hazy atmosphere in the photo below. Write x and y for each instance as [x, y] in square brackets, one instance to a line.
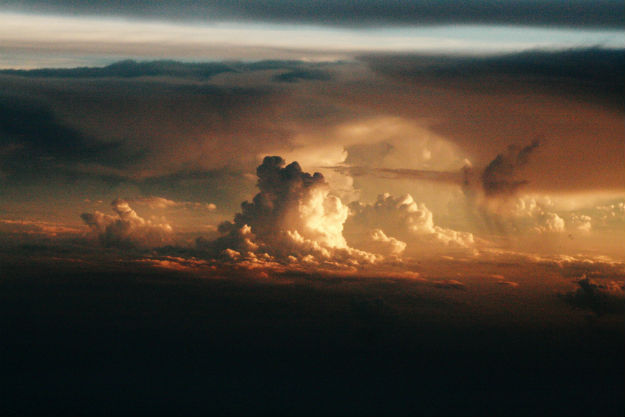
[312, 207]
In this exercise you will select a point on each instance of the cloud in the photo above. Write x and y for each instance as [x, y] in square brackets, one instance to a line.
[369, 13]
[449, 177]
[293, 218]
[127, 229]
[610, 215]
[451, 284]
[499, 176]
[532, 206]
[33, 139]
[582, 222]
[592, 267]
[474, 103]
[20, 229]
[163, 203]
[124, 127]
[594, 71]
[130, 69]
[595, 267]
[551, 222]
[385, 244]
[290, 71]
[303, 75]
[406, 221]
[176, 263]
[616, 210]
[511, 284]
[600, 297]
[487, 196]
[125, 130]
[540, 213]
[197, 140]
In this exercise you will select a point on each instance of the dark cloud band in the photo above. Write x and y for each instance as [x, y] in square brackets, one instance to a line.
[574, 13]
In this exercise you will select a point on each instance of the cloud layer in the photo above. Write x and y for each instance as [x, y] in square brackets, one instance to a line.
[421, 126]
[576, 13]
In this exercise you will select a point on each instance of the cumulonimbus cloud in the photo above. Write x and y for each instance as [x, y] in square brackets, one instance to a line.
[292, 218]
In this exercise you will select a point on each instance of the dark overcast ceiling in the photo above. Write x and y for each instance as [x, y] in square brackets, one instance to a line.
[564, 13]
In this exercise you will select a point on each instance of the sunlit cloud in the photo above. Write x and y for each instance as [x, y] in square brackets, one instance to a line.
[127, 229]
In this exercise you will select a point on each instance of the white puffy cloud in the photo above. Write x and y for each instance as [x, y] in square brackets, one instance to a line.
[406, 221]
[551, 222]
[127, 228]
[537, 214]
[385, 244]
[532, 206]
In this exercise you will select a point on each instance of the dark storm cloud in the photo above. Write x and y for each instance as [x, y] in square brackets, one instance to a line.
[106, 122]
[572, 98]
[292, 70]
[34, 140]
[302, 74]
[597, 73]
[131, 69]
[32, 123]
[599, 297]
[150, 128]
[169, 123]
[581, 64]
[500, 176]
[574, 13]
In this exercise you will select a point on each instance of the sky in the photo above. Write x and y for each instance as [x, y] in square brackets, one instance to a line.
[439, 161]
